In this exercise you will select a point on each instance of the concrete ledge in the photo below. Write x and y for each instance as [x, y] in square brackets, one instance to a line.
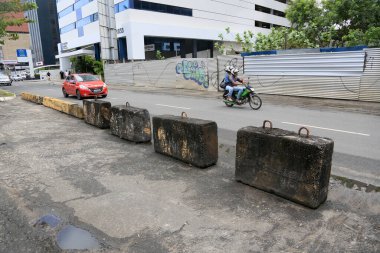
[32, 98]
[64, 106]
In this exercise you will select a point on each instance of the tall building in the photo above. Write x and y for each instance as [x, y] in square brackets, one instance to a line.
[8, 56]
[44, 31]
[136, 29]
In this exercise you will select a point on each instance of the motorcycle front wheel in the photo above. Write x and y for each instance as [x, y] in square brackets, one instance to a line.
[255, 102]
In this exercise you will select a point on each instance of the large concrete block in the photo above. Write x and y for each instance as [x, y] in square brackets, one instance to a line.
[97, 113]
[131, 123]
[285, 163]
[32, 97]
[193, 141]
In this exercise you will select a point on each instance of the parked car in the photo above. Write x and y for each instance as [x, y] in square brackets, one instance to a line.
[17, 77]
[84, 85]
[23, 75]
[4, 79]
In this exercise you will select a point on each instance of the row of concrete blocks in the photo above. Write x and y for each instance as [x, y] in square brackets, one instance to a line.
[291, 165]
[277, 161]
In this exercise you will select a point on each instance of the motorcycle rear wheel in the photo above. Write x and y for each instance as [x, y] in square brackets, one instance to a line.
[229, 104]
[255, 102]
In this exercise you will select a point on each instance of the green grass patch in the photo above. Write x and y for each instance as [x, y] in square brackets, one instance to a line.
[4, 93]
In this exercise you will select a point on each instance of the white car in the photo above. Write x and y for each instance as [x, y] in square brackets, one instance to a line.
[17, 77]
[4, 79]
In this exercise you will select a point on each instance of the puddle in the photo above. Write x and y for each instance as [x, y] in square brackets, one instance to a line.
[48, 220]
[73, 238]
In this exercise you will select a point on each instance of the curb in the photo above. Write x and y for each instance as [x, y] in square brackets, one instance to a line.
[3, 99]
[69, 108]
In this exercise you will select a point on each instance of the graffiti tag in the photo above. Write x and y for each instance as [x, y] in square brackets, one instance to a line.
[193, 70]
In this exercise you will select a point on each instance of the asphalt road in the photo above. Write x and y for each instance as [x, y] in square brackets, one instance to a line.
[67, 185]
[356, 135]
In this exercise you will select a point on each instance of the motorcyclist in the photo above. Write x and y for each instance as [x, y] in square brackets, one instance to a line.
[233, 85]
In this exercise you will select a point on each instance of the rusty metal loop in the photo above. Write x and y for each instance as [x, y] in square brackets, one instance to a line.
[127, 104]
[307, 132]
[184, 115]
[270, 124]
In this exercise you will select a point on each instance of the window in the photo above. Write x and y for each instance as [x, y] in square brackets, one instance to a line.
[80, 3]
[84, 78]
[278, 13]
[282, 1]
[148, 6]
[66, 11]
[262, 24]
[122, 6]
[262, 9]
[87, 20]
[84, 21]
[67, 28]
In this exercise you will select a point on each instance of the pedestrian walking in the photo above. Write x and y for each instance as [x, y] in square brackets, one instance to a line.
[48, 75]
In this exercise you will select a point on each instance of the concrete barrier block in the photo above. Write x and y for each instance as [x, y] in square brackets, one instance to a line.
[192, 141]
[97, 113]
[131, 123]
[64, 106]
[284, 163]
[32, 97]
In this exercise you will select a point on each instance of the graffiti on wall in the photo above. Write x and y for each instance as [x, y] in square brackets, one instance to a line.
[193, 70]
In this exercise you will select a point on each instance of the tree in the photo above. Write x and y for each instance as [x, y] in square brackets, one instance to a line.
[87, 64]
[335, 22]
[282, 38]
[7, 11]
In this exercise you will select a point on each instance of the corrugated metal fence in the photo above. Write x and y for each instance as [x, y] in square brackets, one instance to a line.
[195, 74]
[205, 74]
[364, 87]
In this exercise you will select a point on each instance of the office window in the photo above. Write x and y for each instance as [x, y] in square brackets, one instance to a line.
[262, 9]
[67, 28]
[80, 3]
[148, 6]
[122, 6]
[84, 21]
[262, 24]
[66, 11]
[278, 13]
[87, 20]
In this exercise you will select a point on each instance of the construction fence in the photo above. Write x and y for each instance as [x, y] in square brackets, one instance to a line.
[207, 73]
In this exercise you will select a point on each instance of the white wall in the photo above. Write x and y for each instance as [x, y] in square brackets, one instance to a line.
[210, 18]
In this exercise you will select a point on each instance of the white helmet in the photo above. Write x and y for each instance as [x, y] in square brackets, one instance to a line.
[235, 71]
[229, 69]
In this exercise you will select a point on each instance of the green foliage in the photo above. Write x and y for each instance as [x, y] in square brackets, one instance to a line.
[7, 9]
[159, 55]
[336, 22]
[357, 37]
[246, 41]
[87, 64]
[220, 46]
[282, 38]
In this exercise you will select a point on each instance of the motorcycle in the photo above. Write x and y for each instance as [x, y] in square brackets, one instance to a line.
[248, 96]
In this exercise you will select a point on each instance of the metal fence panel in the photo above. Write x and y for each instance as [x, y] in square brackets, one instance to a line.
[310, 64]
[370, 81]
[188, 73]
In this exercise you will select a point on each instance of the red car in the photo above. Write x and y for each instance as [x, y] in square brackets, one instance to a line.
[84, 85]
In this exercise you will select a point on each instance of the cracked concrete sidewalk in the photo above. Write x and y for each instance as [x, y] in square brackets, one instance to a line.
[134, 200]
